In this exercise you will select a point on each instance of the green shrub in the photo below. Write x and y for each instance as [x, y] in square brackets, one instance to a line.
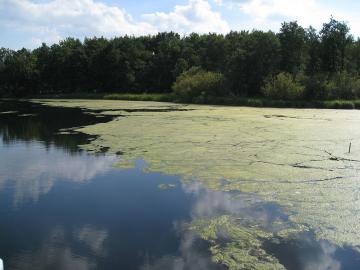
[316, 87]
[283, 86]
[196, 85]
[357, 104]
[339, 104]
[344, 86]
[140, 97]
[339, 86]
[255, 103]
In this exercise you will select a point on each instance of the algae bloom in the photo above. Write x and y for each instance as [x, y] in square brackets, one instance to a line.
[296, 159]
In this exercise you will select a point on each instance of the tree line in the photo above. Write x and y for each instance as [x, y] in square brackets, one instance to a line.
[325, 63]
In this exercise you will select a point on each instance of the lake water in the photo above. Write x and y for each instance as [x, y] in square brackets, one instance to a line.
[64, 208]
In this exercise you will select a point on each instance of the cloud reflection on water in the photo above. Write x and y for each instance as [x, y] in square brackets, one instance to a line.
[325, 260]
[56, 250]
[208, 204]
[249, 206]
[192, 256]
[32, 171]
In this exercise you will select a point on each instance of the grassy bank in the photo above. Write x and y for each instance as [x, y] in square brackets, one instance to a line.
[142, 97]
[111, 96]
[231, 101]
[250, 102]
[260, 102]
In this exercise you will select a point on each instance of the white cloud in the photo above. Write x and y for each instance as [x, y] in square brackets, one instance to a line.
[31, 22]
[269, 14]
[51, 21]
[306, 11]
[196, 16]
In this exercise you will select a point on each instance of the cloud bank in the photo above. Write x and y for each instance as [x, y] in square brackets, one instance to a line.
[269, 14]
[30, 22]
[52, 21]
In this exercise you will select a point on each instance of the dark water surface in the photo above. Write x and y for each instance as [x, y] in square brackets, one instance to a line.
[63, 208]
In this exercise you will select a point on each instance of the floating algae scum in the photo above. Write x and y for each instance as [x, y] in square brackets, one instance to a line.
[297, 159]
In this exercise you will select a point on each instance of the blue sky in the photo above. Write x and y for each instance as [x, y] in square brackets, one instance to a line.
[28, 23]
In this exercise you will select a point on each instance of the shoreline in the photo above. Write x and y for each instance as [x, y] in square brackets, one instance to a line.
[223, 101]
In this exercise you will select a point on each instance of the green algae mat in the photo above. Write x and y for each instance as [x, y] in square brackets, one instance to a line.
[305, 161]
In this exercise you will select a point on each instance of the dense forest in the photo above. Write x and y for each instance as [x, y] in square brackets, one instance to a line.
[295, 63]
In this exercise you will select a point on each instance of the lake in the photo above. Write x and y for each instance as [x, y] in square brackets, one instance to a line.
[136, 185]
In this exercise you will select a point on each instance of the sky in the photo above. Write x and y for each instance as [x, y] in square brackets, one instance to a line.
[28, 23]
